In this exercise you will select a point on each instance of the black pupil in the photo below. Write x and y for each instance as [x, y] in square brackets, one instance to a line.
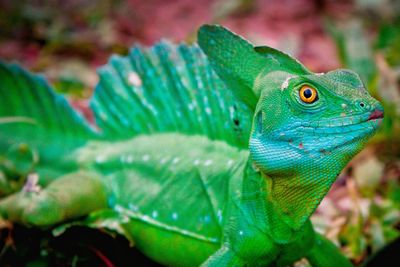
[307, 93]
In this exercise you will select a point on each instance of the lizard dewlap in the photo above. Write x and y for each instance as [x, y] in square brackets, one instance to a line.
[212, 154]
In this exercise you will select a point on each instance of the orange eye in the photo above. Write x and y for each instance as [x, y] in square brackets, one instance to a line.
[308, 94]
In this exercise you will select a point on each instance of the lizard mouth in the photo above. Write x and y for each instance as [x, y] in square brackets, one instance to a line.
[327, 131]
[376, 114]
[341, 125]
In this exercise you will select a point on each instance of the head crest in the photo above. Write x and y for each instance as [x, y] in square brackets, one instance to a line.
[239, 63]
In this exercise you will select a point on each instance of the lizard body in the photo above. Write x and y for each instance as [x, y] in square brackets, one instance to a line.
[215, 156]
[207, 178]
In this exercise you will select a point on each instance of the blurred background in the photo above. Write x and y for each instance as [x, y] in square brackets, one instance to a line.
[67, 40]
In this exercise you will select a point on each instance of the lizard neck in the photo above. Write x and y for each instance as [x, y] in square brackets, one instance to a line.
[298, 174]
[288, 201]
[295, 198]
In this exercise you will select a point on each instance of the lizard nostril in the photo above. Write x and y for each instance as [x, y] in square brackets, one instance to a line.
[362, 104]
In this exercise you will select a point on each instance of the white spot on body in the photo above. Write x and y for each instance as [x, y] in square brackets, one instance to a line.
[208, 110]
[133, 207]
[119, 209]
[219, 215]
[129, 159]
[208, 162]
[154, 214]
[196, 162]
[231, 111]
[344, 105]
[126, 159]
[164, 160]
[285, 84]
[230, 162]
[175, 160]
[146, 157]
[240, 232]
[175, 216]
[134, 79]
[100, 159]
[191, 106]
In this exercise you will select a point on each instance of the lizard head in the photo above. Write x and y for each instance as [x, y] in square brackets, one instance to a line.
[306, 126]
[299, 116]
[311, 120]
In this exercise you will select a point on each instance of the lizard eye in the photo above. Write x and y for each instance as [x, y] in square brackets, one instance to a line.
[308, 94]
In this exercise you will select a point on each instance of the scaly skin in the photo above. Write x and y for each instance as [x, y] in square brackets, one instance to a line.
[216, 159]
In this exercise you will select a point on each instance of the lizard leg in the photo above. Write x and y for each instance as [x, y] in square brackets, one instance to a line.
[223, 257]
[325, 254]
[69, 196]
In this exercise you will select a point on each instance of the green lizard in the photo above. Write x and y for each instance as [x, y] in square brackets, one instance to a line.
[215, 155]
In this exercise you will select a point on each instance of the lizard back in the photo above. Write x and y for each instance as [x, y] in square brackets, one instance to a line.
[168, 88]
